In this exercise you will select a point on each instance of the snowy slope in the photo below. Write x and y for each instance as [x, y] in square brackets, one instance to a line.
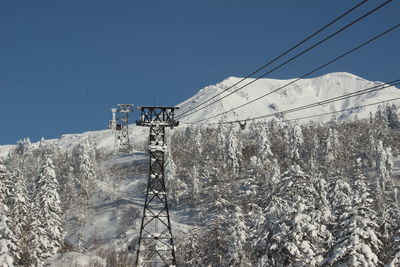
[114, 214]
[300, 93]
[102, 139]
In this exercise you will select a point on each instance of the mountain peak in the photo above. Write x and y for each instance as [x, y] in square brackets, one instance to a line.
[288, 96]
[341, 75]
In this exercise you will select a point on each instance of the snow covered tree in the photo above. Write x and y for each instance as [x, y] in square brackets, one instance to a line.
[392, 114]
[314, 152]
[24, 149]
[330, 150]
[293, 233]
[195, 190]
[389, 161]
[371, 149]
[239, 235]
[85, 166]
[79, 244]
[20, 158]
[259, 135]
[234, 152]
[189, 248]
[274, 174]
[295, 146]
[7, 246]
[20, 209]
[8, 254]
[382, 172]
[174, 185]
[394, 257]
[356, 243]
[46, 232]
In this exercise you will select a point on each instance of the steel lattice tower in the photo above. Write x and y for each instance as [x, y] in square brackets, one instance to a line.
[122, 144]
[156, 246]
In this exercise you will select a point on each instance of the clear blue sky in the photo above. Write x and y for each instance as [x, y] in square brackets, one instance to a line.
[64, 64]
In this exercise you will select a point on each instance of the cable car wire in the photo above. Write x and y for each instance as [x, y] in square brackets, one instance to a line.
[312, 105]
[307, 74]
[188, 112]
[346, 109]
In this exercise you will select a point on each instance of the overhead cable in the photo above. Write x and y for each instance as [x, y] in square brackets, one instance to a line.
[314, 104]
[188, 112]
[307, 74]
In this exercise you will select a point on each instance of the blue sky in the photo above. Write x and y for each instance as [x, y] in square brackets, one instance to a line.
[64, 64]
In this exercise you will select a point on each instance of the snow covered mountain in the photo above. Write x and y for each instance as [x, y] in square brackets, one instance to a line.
[106, 221]
[300, 93]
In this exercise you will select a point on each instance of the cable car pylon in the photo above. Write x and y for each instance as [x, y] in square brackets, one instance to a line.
[156, 246]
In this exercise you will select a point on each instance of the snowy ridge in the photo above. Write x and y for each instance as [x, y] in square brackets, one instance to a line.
[102, 139]
[302, 92]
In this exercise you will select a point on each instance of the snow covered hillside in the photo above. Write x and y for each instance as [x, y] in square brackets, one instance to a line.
[300, 93]
[272, 194]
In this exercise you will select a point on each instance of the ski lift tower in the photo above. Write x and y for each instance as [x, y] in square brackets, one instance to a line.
[121, 137]
[156, 246]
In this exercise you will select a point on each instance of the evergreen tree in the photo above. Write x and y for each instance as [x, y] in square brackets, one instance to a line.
[314, 153]
[263, 144]
[239, 235]
[371, 149]
[19, 212]
[356, 241]
[46, 226]
[195, 190]
[79, 244]
[274, 174]
[393, 116]
[383, 175]
[234, 152]
[295, 146]
[293, 233]
[394, 258]
[330, 150]
[85, 166]
[8, 254]
[175, 187]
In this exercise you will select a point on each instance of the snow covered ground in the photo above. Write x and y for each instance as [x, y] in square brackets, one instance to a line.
[112, 219]
[115, 211]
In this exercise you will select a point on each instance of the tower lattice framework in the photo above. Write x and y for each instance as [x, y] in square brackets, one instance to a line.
[122, 143]
[156, 246]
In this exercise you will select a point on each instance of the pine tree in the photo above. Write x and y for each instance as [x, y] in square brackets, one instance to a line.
[383, 175]
[314, 153]
[85, 166]
[175, 187]
[195, 190]
[239, 235]
[389, 165]
[393, 116]
[79, 244]
[260, 138]
[7, 246]
[371, 151]
[356, 241]
[46, 226]
[394, 258]
[295, 146]
[234, 153]
[191, 251]
[19, 212]
[8, 254]
[330, 150]
[294, 232]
